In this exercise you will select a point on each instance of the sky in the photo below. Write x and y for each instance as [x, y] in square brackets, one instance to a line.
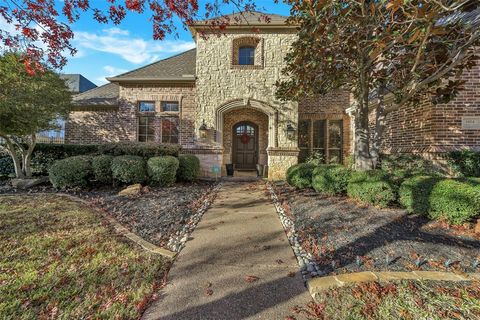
[108, 50]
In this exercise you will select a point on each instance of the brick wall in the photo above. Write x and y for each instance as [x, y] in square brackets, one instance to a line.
[432, 130]
[331, 106]
[100, 124]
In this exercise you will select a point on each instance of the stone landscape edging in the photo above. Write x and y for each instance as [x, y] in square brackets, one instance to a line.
[317, 285]
[150, 247]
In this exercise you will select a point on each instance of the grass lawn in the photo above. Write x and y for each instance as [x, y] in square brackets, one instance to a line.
[400, 300]
[59, 260]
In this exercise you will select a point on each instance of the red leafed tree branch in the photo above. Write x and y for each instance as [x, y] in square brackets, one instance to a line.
[40, 29]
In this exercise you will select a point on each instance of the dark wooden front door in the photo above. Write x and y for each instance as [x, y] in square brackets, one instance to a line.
[245, 145]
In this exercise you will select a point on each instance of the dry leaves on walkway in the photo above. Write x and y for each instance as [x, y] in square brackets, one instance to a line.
[251, 278]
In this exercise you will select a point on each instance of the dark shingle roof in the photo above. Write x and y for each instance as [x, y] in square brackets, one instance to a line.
[77, 82]
[106, 95]
[251, 18]
[180, 67]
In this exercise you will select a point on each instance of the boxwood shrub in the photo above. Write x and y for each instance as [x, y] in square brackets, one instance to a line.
[374, 187]
[464, 163]
[144, 150]
[102, 168]
[6, 166]
[72, 172]
[456, 200]
[129, 169]
[300, 175]
[330, 179]
[162, 170]
[189, 168]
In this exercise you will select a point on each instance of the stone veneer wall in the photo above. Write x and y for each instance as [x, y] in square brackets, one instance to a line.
[219, 82]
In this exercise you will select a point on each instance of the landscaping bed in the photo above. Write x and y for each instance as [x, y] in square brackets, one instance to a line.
[60, 260]
[345, 237]
[156, 214]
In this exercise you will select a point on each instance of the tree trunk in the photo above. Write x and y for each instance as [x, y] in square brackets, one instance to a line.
[362, 149]
[27, 157]
[16, 162]
[380, 114]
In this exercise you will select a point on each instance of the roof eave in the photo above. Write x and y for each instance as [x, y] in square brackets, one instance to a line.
[150, 79]
[201, 26]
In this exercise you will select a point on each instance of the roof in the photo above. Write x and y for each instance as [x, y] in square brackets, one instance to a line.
[248, 18]
[180, 67]
[106, 95]
[77, 83]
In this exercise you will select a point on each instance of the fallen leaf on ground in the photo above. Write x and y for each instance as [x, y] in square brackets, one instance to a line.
[279, 261]
[251, 278]
[291, 274]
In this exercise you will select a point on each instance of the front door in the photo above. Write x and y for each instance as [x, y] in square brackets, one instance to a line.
[245, 145]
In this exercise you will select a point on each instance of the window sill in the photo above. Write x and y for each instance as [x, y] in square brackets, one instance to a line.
[246, 67]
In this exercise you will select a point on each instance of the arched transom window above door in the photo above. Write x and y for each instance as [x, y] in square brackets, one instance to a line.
[247, 53]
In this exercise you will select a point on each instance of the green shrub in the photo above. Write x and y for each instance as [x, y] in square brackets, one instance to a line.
[73, 172]
[189, 168]
[374, 187]
[144, 150]
[330, 179]
[300, 175]
[405, 165]
[163, 170]
[44, 154]
[6, 166]
[456, 200]
[129, 169]
[102, 168]
[464, 163]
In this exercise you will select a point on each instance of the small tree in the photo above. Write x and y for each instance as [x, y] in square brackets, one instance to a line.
[376, 48]
[28, 104]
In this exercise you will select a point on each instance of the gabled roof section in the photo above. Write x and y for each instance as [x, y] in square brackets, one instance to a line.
[243, 19]
[180, 67]
[251, 18]
[106, 95]
[77, 83]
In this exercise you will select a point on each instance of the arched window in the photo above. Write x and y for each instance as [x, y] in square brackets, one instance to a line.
[246, 56]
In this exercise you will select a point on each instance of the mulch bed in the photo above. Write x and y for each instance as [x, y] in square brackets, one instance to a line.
[155, 214]
[346, 237]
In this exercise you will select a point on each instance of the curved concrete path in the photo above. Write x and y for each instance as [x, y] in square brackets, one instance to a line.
[239, 236]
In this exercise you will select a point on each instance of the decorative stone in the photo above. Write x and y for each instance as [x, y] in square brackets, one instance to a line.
[131, 190]
[27, 183]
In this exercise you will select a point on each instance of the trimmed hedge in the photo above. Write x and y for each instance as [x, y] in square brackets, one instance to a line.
[465, 163]
[300, 175]
[189, 168]
[330, 179]
[374, 187]
[129, 169]
[144, 150]
[163, 170]
[102, 168]
[73, 172]
[456, 200]
[6, 166]
[405, 165]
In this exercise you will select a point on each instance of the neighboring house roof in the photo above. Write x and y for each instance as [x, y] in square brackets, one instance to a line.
[77, 82]
[180, 67]
[106, 95]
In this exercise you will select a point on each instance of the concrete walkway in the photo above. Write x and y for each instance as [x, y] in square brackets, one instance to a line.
[239, 236]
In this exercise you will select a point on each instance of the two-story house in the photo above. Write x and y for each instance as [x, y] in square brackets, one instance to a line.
[218, 102]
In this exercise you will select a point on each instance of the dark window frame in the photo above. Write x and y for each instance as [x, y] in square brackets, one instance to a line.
[307, 147]
[249, 59]
[164, 103]
[168, 138]
[145, 135]
[139, 106]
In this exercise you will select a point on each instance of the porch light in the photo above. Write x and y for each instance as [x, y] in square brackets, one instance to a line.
[290, 131]
[203, 130]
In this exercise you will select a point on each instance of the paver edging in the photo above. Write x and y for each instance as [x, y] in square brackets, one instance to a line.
[317, 285]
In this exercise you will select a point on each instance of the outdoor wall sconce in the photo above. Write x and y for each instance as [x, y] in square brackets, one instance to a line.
[203, 130]
[290, 130]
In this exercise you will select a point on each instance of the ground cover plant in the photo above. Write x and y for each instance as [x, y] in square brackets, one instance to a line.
[407, 300]
[58, 259]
